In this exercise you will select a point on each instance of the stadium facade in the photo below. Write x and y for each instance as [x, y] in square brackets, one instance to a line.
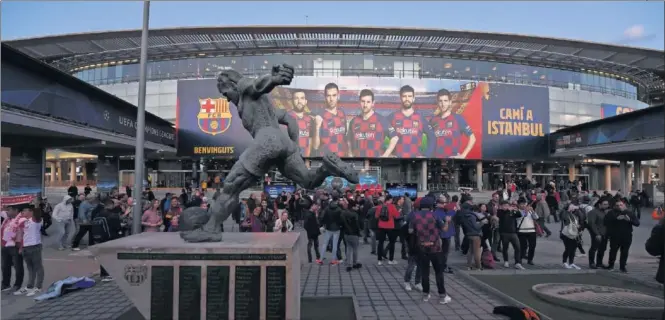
[483, 101]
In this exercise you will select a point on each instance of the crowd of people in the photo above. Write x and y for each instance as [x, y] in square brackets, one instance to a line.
[427, 228]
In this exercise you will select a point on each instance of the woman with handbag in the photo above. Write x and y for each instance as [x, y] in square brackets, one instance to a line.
[570, 231]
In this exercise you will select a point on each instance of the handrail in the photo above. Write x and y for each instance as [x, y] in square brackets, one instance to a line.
[406, 75]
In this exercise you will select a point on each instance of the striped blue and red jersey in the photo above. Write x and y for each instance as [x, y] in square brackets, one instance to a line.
[367, 137]
[304, 129]
[332, 133]
[410, 130]
[448, 132]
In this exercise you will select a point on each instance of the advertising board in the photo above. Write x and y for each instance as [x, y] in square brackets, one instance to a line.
[378, 118]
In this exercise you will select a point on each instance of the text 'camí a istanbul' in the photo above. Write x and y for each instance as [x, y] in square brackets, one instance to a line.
[515, 122]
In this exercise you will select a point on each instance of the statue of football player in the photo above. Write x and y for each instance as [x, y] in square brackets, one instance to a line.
[270, 148]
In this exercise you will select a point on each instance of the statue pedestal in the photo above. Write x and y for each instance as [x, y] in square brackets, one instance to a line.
[247, 276]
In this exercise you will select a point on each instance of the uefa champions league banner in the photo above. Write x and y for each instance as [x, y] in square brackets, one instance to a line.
[393, 118]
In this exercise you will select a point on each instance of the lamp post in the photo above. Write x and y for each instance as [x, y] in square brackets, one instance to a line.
[139, 163]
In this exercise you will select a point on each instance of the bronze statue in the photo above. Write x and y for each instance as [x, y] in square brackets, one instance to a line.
[270, 148]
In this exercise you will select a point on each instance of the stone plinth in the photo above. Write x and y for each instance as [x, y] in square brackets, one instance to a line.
[247, 276]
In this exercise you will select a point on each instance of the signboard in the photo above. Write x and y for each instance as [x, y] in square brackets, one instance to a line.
[611, 110]
[456, 119]
[25, 175]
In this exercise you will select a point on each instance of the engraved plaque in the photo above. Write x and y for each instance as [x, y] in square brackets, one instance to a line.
[275, 292]
[202, 256]
[161, 293]
[217, 293]
[189, 296]
[248, 293]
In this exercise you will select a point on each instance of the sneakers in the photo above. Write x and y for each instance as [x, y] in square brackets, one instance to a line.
[380, 263]
[107, 279]
[426, 297]
[5, 289]
[21, 291]
[392, 262]
[418, 287]
[407, 286]
[357, 266]
[567, 266]
[518, 266]
[506, 264]
[76, 249]
[334, 262]
[445, 300]
[319, 261]
[574, 266]
[580, 255]
[33, 291]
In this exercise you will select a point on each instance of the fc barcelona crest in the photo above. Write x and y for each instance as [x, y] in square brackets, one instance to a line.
[136, 275]
[214, 116]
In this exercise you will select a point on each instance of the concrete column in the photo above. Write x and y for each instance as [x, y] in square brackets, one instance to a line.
[423, 175]
[84, 172]
[366, 164]
[571, 171]
[646, 174]
[623, 176]
[629, 178]
[58, 170]
[529, 170]
[53, 170]
[637, 169]
[479, 175]
[608, 177]
[72, 171]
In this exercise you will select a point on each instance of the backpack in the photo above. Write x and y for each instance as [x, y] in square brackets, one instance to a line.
[100, 230]
[487, 259]
[384, 215]
[571, 230]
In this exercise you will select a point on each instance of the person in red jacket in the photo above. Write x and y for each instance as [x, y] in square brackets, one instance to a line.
[386, 223]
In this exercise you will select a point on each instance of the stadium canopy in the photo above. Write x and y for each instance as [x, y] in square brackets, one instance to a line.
[72, 51]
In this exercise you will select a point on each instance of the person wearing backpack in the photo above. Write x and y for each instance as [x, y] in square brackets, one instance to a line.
[106, 226]
[570, 231]
[386, 215]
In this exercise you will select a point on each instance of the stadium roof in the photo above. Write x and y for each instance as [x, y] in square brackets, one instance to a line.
[70, 51]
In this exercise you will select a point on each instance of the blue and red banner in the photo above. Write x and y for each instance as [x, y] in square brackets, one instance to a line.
[460, 119]
[611, 110]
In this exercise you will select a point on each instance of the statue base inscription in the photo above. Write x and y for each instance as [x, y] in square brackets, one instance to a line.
[248, 276]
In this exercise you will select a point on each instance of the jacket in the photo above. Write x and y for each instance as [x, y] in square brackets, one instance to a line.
[331, 219]
[527, 222]
[85, 212]
[442, 213]
[279, 224]
[311, 224]
[63, 211]
[470, 222]
[595, 222]
[393, 213]
[508, 220]
[542, 209]
[351, 223]
[624, 227]
[655, 246]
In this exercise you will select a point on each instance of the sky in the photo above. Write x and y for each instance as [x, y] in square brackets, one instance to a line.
[635, 23]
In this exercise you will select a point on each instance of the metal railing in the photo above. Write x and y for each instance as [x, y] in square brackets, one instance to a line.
[380, 73]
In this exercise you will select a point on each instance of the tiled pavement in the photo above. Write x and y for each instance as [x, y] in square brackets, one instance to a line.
[378, 289]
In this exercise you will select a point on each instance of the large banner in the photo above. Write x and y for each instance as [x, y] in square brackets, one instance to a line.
[611, 110]
[108, 173]
[387, 119]
[25, 175]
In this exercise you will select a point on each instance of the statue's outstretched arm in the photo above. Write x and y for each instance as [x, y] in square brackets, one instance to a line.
[280, 75]
[291, 124]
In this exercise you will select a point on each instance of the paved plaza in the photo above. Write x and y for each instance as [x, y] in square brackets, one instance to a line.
[378, 289]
